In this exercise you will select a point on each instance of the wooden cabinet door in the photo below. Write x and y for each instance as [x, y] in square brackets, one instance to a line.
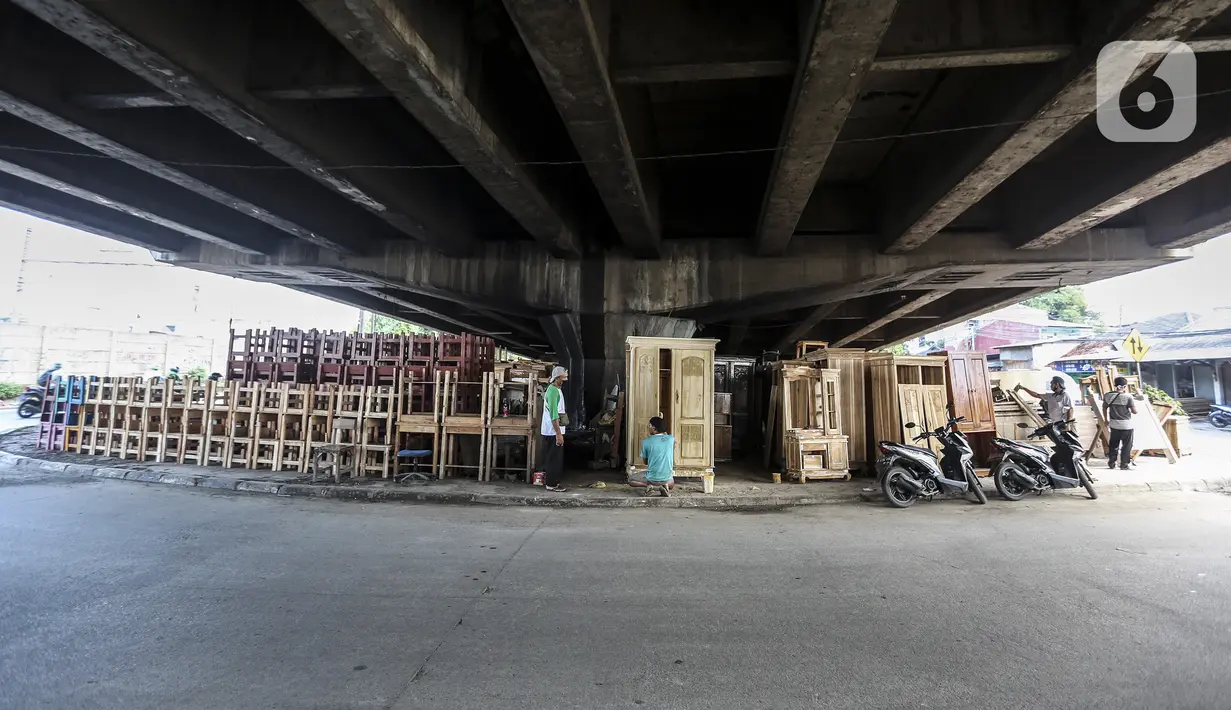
[693, 410]
[911, 402]
[642, 401]
[970, 389]
[982, 406]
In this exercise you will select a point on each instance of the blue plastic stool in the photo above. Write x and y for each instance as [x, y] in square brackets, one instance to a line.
[416, 455]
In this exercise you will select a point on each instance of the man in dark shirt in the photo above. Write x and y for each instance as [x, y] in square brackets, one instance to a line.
[1118, 411]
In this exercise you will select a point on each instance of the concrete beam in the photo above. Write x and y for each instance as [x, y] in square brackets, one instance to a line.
[85, 185]
[843, 37]
[1104, 179]
[993, 302]
[153, 42]
[564, 40]
[460, 324]
[159, 99]
[433, 86]
[935, 61]
[61, 208]
[712, 71]
[28, 94]
[909, 306]
[1056, 106]
[805, 326]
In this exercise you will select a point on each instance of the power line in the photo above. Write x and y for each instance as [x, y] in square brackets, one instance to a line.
[648, 158]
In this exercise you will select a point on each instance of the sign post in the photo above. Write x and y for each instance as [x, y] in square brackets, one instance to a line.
[1136, 347]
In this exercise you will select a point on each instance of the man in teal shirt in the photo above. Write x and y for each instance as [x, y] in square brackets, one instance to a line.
[658, 453]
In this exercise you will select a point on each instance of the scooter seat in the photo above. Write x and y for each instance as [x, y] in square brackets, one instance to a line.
[916, 449]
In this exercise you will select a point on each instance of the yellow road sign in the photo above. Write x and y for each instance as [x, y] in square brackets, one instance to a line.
[1135, 345]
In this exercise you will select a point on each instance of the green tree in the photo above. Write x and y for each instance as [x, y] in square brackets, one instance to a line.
[1067, 303]
[393, 326]
[899, 349]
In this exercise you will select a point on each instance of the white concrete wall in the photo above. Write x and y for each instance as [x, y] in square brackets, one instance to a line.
[27, 350]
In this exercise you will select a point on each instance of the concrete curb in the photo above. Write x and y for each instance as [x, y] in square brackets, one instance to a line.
[427, 495]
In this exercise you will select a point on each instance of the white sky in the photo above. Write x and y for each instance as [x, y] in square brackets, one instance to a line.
[73, 278]
[1200, 285]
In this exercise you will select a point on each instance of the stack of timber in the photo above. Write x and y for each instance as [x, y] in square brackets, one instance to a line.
[280, 426]
[805, 422]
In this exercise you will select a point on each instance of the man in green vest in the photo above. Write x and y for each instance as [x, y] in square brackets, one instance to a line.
[554, 421]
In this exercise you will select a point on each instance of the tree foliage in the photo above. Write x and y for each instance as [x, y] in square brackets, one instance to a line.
[1067, 303]
[899, 349]
[393, 326]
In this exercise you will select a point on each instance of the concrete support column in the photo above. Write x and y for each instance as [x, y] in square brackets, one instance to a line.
[605, 371]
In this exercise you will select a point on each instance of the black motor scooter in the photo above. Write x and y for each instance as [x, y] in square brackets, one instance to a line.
[1220, 416]
[1027, 468]
[30, 403]
[907, 473]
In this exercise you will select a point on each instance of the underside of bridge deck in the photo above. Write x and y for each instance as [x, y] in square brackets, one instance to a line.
[561, 173]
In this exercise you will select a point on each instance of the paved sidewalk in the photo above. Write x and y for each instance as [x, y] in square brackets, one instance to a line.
[737, 486]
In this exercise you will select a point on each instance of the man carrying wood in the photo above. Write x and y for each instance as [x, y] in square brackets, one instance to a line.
[1118, 411]
[1057, 404]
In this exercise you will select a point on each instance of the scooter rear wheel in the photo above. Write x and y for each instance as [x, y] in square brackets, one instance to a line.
[28, 410]
[1006, 485]
[898, 496]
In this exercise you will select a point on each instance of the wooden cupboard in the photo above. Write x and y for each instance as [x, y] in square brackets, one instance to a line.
[850, 362]
[970, 390]
[907, 390]
[672, 378]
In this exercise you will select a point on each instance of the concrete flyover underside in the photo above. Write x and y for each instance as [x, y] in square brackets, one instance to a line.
[563, 174]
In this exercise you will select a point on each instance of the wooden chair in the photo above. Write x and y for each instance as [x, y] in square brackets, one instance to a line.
[340, 456]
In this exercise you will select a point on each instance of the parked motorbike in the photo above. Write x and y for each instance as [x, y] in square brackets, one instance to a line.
[1028, 468]
[30, 403]
[907, 473]
[1220, 415]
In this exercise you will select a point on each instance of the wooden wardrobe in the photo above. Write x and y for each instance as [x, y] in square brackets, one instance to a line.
[970, 390]
[907, 390]
[672, 378]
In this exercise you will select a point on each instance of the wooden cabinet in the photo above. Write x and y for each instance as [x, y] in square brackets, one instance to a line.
[907, 390]
[672, 378]
[970, 390]
[850, 363]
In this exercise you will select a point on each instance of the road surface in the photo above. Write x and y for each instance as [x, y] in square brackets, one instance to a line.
[121, 595]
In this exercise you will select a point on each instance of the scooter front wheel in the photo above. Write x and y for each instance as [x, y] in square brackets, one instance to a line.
[976, 487]
[899, 496]
[1084, 476]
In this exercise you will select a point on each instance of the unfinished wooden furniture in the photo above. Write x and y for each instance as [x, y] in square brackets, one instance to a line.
[853, 381]
[513, 428]
[722, 426]
[806, 405]
[803, 348]
[341, 455]
[906, 390]
[463, 430]
[672, 378]
[812, 454]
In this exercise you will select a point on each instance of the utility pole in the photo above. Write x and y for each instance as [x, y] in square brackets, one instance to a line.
[21, 275]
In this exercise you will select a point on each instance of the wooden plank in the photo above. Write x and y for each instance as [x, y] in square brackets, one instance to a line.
[771, 425]
[935, 401]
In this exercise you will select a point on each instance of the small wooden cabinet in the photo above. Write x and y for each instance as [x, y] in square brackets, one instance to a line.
[672, 378]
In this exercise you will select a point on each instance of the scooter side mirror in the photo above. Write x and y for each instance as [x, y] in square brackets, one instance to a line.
[911, 425]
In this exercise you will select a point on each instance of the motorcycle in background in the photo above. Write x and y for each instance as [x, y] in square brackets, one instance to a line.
[907, 473]
[1220, 415]
[30, 403]
[1027, 468]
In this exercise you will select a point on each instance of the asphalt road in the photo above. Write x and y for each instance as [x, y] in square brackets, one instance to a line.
[119, 595]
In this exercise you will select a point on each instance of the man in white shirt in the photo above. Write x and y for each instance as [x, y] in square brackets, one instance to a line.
[554, 421]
